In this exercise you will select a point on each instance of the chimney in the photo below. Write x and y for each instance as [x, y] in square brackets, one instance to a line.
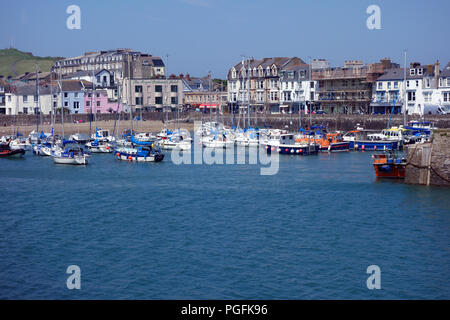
[437, 73]
[188, 78]
[181, 76]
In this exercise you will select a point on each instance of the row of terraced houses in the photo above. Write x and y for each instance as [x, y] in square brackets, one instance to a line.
[122, 79]
[287, 85]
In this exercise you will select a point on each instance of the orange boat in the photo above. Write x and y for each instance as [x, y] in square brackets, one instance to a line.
[332, 142]
[387, 165]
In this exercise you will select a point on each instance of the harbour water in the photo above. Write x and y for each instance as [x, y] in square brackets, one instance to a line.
[166, 231]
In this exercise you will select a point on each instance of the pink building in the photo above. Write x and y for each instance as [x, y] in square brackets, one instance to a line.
[100, 102]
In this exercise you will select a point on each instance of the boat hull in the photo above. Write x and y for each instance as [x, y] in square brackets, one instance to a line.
[77, 160]
[303, 150]
[390, 170]
[16, 153]
[336, 147]
[368, 145]
[136, 158]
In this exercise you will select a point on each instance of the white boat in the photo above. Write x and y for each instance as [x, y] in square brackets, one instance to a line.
[21, 143]
[217, 141]
[71, 153]
[100, 146]
[139, 154]
[103, 134]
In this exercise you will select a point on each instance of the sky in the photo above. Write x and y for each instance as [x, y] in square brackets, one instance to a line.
[212, 35]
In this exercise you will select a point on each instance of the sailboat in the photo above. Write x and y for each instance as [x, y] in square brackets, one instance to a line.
[70, 151]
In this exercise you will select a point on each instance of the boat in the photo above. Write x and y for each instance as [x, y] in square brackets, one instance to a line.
[175, 142]
[100, 146]
[21, 143]
[217, 140]
[364, 143]
[287, 145]
[71, 153]
[328, 142]
[103, 134]
[80, 138]
[7, 152]
[43, 149]
[388, 165]
[139, 154]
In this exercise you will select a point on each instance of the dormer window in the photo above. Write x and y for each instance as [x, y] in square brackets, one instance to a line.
[412, 72]
[274, 71]
[420, 71]
[233, 73]
[255, 72]
[268, 71]
[260, 71]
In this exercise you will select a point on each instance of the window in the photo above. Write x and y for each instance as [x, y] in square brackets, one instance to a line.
[446, 96]
[158, 100]
[35, 98]
[98, 103]
[173, 88]
[173, 100]
[158, 88]
[427, 96]
[411, 96]
[311, 84]
[395, 84]
[138, 89]
[25, 98]
[407, 84]
[420, 71]
[76, 94]
[25, 110]
[389, 85]
[417, 83]
[88, 103]
[380, 85]
[66, 104]
[412, 72]
[65, 95]
[76, 105]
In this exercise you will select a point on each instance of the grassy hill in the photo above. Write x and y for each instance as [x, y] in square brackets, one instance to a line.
[14, 62]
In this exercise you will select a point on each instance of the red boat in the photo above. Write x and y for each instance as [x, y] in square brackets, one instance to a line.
[387, 165]
[6, 151]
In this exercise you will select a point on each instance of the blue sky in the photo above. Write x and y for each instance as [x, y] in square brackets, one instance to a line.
[212, 35]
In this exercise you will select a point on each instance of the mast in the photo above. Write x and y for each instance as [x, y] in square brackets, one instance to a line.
[62, 101]
[37, 100]
[404, 91]
[248, 92]
[117, 110]
[129, 92]
[52, 117]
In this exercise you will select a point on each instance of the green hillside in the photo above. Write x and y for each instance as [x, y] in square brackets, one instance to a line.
[14, 62]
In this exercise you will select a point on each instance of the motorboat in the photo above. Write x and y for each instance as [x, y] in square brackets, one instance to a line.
[388, 165]
[100, 146]
[7, 152]
[139, 154]
[288, 145]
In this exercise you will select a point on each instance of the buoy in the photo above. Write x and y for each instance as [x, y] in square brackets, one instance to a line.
[129, 158]
[117, 154]
[273, 148]
[375, 148]
[107, 148]
[300, 150]
[287, 150]
[362, 147]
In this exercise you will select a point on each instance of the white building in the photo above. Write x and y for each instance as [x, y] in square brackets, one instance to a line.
[297, 89]
[422, 91]
[24, 100]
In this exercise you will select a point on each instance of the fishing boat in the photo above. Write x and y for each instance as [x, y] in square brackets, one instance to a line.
[287, 145]
[71, 153]
[388, 165]
[328, 142]
[7, 152]
[139, 154]
[364, 143]
[100, 146]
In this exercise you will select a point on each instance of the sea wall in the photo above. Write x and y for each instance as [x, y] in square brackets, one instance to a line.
[287, 121]
[429, 163]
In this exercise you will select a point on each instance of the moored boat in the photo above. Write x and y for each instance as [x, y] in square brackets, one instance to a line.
[287, 145]
[7, 152]
[71, 153]
[388, 165]
[139, 154]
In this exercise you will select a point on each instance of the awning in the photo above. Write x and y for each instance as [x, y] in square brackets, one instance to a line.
[209, 106]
